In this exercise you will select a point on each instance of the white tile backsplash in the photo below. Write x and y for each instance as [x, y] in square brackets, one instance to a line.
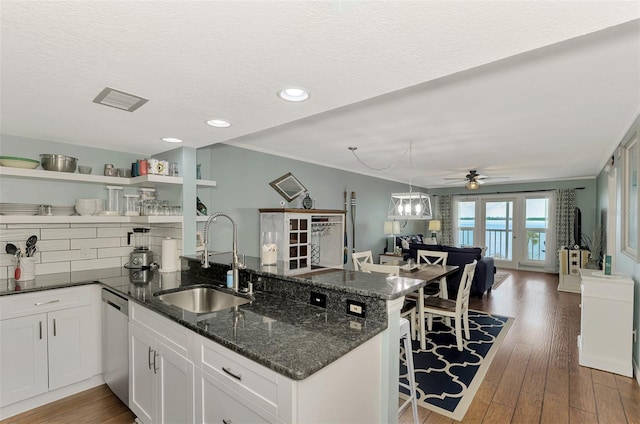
[94, 225]
[113, 232]
[53, 268]
[95, 264]
[18, 235]
[95, 243]
[69, 255]
[67, 233]
[52, 245]
[79, 247]
[111, 252]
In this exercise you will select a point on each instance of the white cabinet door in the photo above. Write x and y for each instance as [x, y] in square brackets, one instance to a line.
[23, 358]
[161, 381]
[70, 346]
[175, 385]
[142, 380]
[220, 404]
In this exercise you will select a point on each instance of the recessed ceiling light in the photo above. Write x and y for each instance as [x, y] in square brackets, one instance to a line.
[171, 140]
[293, 94]
[219, 123]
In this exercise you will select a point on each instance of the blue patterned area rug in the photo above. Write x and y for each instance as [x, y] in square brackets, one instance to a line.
[448, 379]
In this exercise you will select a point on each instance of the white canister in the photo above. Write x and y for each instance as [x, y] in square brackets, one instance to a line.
[27, 269]
[269, 251]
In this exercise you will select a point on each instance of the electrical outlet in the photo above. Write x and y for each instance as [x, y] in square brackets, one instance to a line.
[318, 299]
[356, 308]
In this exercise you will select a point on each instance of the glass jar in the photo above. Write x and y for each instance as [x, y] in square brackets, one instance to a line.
[131, 205]
[114, 202]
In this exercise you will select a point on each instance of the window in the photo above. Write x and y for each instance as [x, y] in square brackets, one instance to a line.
[536, 225]
[466, 213]
[630, 193]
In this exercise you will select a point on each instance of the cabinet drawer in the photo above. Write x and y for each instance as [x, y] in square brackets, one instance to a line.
[18, 305]
[221, 405]
[257, 383]
[174, 335]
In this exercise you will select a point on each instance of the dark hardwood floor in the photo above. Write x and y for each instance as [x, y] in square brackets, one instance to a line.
[535, 376]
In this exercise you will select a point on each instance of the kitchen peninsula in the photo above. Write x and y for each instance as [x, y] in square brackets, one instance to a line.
[306, 357]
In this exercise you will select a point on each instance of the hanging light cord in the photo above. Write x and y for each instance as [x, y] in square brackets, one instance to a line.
[410, 167]
[353, 150]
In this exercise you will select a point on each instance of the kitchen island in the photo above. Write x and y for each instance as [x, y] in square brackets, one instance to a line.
[278, 329]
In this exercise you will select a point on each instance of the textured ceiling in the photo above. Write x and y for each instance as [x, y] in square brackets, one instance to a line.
[529, 90]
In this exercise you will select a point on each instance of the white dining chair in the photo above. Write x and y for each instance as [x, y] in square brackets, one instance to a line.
[406, 326]
[361, 257]
[431, 257]
[458, 309]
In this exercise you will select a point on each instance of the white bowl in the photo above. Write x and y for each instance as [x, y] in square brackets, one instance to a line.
[85, 209]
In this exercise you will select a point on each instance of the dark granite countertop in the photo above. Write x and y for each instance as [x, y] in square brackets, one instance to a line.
[290, 337]
[344, 279]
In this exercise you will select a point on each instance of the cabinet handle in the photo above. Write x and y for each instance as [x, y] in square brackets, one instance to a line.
[40, 330]
[225, 421]
[149, 357]
[54, 327]
[155, 355]
[46, 303]
[236, 376]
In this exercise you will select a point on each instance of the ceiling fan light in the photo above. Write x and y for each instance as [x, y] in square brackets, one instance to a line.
[472, 185]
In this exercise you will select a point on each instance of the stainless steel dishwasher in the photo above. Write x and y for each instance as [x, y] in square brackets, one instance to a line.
[115, 343]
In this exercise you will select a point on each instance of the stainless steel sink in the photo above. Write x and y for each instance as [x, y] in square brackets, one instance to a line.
[201, 299]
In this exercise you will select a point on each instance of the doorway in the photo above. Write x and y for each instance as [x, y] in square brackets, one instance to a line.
[513, 228]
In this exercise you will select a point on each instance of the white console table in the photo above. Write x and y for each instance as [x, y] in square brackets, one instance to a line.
[606, 322]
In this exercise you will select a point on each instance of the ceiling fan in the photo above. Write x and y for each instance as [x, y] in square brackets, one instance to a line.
[472, 180]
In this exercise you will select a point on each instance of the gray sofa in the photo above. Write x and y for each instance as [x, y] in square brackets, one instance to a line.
[460, 256]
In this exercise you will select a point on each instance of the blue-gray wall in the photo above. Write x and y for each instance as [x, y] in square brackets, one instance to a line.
[622, 262]
[243, 178]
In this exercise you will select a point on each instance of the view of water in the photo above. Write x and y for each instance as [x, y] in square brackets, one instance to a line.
[496, 238]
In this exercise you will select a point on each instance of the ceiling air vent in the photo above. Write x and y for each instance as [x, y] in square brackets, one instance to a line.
[119, 99]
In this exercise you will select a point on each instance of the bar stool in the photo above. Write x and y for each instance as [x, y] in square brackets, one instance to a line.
[413, 397]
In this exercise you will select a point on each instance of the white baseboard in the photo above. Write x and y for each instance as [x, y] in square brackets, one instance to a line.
[52, 396]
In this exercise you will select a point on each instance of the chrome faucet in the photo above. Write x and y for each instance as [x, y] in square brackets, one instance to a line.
[236, 264]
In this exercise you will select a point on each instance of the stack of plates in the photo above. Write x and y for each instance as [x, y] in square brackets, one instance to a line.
[63, 210]
[15, 162]
[18, 209]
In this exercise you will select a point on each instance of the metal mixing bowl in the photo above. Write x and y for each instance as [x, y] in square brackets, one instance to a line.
[61, 163]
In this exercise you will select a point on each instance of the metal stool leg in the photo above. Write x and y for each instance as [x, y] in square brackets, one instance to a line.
[413, 398]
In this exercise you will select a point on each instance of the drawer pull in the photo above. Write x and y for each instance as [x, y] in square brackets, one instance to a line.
[225, 421]
[236, 376]
[155, 355]
[54, 328]
[46, 303]
[40, 330]
[149, 357]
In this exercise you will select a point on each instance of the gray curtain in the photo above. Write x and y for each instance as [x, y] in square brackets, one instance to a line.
[446, 219]
[565, 207]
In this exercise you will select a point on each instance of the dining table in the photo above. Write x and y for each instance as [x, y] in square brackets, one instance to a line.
[429, 273]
